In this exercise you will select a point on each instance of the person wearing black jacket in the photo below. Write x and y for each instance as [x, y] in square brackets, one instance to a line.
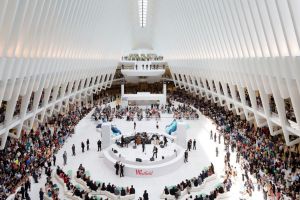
[123, 192]
[145, 195]
[103, 187]
[23, 192]
[108, 187]
[27, 185]
[112, 189]
[132, 190]
[87, 144]
[41, 193]
[82, 147]
[99, 145]
[122, 170]
[117, 166]
[166, 191]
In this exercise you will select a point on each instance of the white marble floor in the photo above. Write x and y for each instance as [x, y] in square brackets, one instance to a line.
[94, 162]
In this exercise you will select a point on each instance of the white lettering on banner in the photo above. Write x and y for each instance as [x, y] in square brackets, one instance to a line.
[141, 172]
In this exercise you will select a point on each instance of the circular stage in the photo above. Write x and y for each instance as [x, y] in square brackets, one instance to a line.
[138, 164]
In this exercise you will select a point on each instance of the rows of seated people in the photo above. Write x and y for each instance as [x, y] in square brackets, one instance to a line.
[94, 186]
[183, 110]
[3, 111]
[107, 113]
[74, 190]
[212, 195]
[275, 166]
[220, 189]
[189, 183]
[290, 115]
[51, 190]
[27, 155]
[142, 57]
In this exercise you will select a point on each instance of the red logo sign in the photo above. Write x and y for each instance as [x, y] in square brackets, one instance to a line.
[141, 172]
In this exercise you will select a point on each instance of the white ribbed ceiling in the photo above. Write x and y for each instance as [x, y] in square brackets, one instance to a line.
[177, 29]
[217, 29]
[76, 29]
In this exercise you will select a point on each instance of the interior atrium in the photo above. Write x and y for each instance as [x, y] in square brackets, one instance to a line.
[150, 99]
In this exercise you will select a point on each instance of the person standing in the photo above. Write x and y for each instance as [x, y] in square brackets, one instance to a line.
[189, 145]
[87, 144]
[35, 176]
[228, 156]
[143, 145]
[122, 141]
[211, 135]
[219, 138]
[27, 185]
[99, 145]
[155, 152]
[65, 157]
[122, 170]
[82, 147]
[117, 166]
[23, 192]
[215, 137]
[186, 155]
[134, 125]
[54, 159]
[41, 193]
[157, 126]
[194, 144]
[165, 141]
[217, 152]
[73, 150]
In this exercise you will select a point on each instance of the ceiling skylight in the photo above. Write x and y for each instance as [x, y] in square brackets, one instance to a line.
[143, 4]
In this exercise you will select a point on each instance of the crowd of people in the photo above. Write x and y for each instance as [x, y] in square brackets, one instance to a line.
[182, 110]
[3, 111]
[142, 57]
[189, 183]
[95, 186]
[274, 165]
[107, 113]
[28, 155]
[51, 190]
[76, 191]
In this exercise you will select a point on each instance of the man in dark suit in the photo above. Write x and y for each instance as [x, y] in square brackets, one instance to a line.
[122, 170]
[117, 166]
[87, 144]
[41, 193]
[143, 145]
[99, 145]
[82, 147]
[186, 155]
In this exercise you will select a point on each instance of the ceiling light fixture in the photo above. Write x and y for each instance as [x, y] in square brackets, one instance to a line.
[143, 4]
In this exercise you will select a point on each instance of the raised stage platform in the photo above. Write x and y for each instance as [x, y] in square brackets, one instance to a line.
[173, 158]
